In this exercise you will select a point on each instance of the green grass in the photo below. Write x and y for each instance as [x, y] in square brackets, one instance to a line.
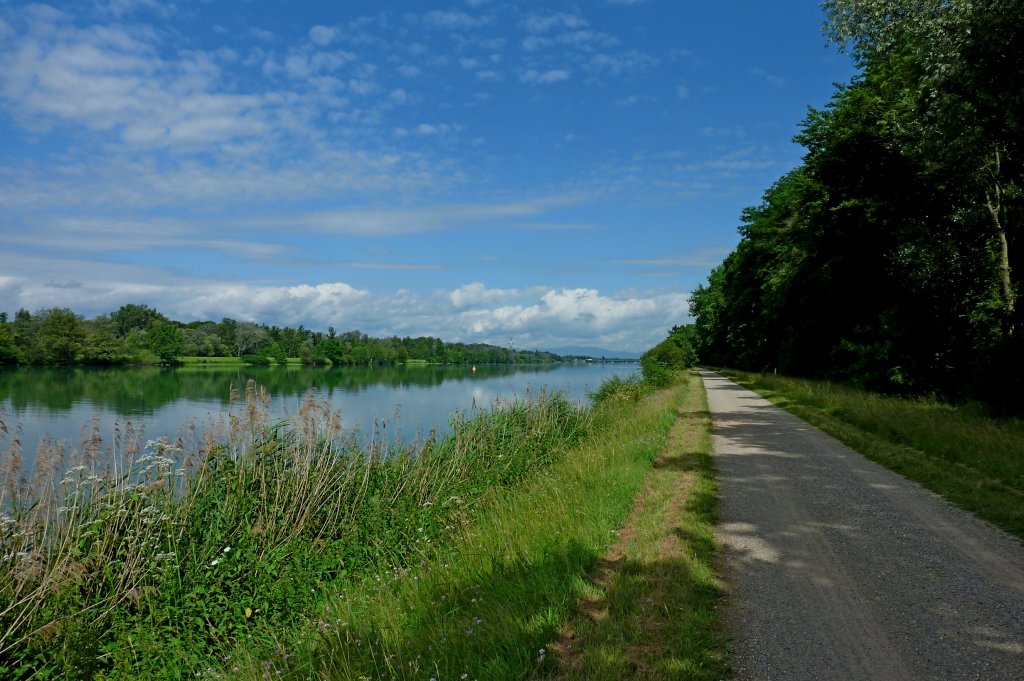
[650, 612]
[188, 361]
[971, 459]
[164, 559]
[227, 361]
[488, 603]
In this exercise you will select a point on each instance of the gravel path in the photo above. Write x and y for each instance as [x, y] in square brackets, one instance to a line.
[839, 569]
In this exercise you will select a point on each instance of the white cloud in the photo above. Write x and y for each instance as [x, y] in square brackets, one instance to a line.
[112, 79]
[389, 222]
[477, 294]
[573, 315]
[361, 86]
[624, 63]
[682, 91]
[120, 8]
[769, 78]
[452, 20]
[536, 317]
[545, 77]
[544, 24]
[322, 35]
[427, 130]
[534, 43]
[633, 100]
[262, 34]
[705, 258]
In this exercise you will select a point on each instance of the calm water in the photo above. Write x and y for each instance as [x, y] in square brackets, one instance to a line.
[60, 402]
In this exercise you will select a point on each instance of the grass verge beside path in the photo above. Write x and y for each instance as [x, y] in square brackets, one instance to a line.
[650, 610]
[974, 461]
[489, 606]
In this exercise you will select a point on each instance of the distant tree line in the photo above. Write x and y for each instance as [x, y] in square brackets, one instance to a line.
[138, 334]
[892, 256]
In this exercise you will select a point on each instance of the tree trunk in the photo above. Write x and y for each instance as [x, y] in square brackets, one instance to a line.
[994, 202]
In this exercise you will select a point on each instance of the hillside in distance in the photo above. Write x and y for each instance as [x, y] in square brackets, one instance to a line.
[596, 353]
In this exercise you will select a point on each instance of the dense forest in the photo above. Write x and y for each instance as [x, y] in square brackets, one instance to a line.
[138, 334]
[891, 257]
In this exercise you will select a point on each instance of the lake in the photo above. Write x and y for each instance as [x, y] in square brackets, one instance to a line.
[60, 402]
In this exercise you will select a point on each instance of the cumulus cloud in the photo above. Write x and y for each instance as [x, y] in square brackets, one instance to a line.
[537, 317]
[477, 294]
[322, 35]
[573, 315]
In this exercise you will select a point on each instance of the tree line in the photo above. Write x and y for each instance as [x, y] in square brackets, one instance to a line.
[139, 334]
[891, 257]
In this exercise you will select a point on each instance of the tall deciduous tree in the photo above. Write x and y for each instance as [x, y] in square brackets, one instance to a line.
[964, 89]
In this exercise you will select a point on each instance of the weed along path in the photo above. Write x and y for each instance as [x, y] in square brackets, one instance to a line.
[836, 568]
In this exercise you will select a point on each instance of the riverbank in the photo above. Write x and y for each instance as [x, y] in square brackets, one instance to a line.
[281, 553]
[516, 593]
[164, 559]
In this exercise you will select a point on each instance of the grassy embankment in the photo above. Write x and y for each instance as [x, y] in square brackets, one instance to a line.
[974, 461]
[228, 361]
[543, 584]
[650, 612]
[166, 559]
[465, 556]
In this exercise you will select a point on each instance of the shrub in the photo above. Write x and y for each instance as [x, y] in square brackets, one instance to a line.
[660, 363]
[619, 389]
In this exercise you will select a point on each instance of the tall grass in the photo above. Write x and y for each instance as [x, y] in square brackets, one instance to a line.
[165, 559]
[651, 610]
[972, 459]
[489, 603]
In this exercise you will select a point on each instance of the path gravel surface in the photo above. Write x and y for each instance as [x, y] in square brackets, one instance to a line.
[836, 568]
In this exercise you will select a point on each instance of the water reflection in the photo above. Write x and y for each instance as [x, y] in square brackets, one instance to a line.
[60, 401]
[143, 390]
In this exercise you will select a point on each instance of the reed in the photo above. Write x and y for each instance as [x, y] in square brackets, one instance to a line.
[165, 558]
[489, 603]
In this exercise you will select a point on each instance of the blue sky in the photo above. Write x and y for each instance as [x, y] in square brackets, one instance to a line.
[559, 173]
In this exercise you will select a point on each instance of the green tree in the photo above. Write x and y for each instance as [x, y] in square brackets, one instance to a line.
[962, 102]
[60, 334]
[249, 338]
[9, 352]
[165, 340]
[101, 346]
[134, 317]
